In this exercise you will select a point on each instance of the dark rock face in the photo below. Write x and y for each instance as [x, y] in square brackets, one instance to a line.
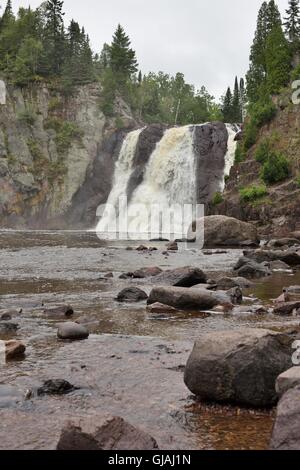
[72, 331]
[132, 294]
[97, 185]
[286, 431]
[148, 139]
[239, 367]
[210, 144]
[56, 387]
[104, 432]
[182, 277]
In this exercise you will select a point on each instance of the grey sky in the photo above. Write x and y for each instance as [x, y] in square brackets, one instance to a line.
[208, 41]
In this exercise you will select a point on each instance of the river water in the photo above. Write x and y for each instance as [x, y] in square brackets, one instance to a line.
[132, 364]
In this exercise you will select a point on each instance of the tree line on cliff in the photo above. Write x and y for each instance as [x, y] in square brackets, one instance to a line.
[35, 46]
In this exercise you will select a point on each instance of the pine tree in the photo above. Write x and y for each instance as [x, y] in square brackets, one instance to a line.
[292, 24]
[227, 106]
[122, 58]
[236, 105]
[54, 43]
[273, 16]
[243, 98]
[278, 60]
[7, 17]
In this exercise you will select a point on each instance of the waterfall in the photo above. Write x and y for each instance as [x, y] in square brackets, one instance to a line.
[169, 183]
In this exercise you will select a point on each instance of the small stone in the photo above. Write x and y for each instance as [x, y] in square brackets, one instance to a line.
[160, 308]
[72, 331]
[172, 246]
[56, 387]
[63, 310]
[132, 294]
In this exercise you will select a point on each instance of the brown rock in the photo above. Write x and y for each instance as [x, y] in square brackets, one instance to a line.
[160, 308]
[146, 272]
[172, 246]
[14, 349]
[103, 432]
[286, 308]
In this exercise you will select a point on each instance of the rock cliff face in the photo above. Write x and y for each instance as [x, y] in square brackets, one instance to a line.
[56, 153]
[278, 213]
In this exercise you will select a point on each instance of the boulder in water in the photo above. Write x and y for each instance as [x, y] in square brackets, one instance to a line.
[62, 310]
[56, 387]
[103, 432]
[188, 298]
[146, 272]
[72, 331]
[238, 367]
[287, 380]
[182, 277]
[224, 231]
[132, 294]
[14, 349]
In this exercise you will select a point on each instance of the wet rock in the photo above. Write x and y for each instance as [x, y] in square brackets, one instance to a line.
[126, 276]
[188, 298]
[8, 327]
[251, 269]
[109, 276]
[9, 396]
[291, 257]
[72, 331]
[279, 266]
[142, 248]
[235, 295]
[146, 272]
[286, 431]
[132, 294]
[238, 367]
[283, 242]
[226, 283]
[172, 246]
[182, 277]
[56, 387]
[103, 432]
[225, 231]
[160, 308]
[250, 310]
[287, 308]
[62, 310]
[14, 349]
[5, 317]
[287, 380]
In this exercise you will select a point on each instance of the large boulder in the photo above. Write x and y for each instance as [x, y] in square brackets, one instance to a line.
[238, 367]
[103, 432]
[286, 431]
[248, 268]
[189, 298]
[291, 256]
[224, 231]
[182, 277]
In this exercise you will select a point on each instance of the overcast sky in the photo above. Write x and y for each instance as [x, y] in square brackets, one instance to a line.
[208, 41]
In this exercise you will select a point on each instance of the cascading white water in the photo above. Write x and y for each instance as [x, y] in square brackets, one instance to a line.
[230, 155]
[169, 183]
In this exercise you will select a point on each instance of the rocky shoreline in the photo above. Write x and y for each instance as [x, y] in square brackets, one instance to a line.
[92, 329]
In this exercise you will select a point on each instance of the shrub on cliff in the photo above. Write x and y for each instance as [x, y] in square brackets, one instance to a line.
[217, 199]
[253, 193]
[275, 169]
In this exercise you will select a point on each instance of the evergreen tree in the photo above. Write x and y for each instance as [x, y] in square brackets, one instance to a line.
[54, 37]
[268, 19]
[236, 104]
[292, 23]
[278, 60]
[8, 16]
[122, 58]
[227, 106]
[243, 98]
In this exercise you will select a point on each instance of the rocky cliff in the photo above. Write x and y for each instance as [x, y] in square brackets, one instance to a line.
[278, 212]
[56, 156]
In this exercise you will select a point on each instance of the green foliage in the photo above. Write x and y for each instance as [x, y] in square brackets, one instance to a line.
[278, 60]
[54, 104]
[239, 154]
[263, 151]
[262, 113]
[119, 123]
[66, 133]
[122, 58]
[292, 23]
[217, 199]
[275, 168]
[250, 134]
[27, 117]
[295, 75]
[253, 193]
